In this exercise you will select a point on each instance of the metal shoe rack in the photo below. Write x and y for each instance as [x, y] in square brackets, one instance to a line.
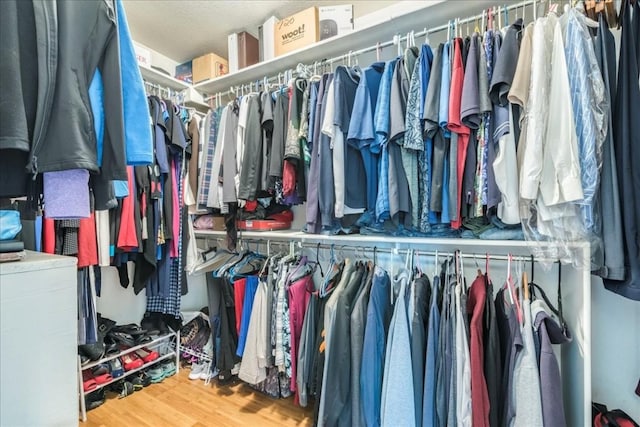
[166, 345]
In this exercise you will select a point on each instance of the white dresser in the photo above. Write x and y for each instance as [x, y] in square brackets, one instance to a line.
[38, 341]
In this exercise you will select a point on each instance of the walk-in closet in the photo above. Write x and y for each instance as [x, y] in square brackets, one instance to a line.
[314, 213]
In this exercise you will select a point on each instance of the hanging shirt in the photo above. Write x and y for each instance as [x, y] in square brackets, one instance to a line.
[455, 126]
[429, 416]
[381, 120]
[526, 380]
[463, 366]
[373, 350]
[548, 331]
[349, 184]
[560, 175]
[479, 395]
[362, 131]
[432, 129]
[398, 404]
[613, 241]
[531, 169]
[589, 108]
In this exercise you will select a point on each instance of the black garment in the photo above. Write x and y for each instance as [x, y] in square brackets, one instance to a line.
[19, 88]
[505, 65]
[419, 324]
[492, 357]
[626, 133]
[315, 385]
[266, 121]
[228, 334]
[338, 382]
[87, 39]
[252, 154]
[608, 204]
[511, 344]
[280, 115]
[146, 259]
[346, 82]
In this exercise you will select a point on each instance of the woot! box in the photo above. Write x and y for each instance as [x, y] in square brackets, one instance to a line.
[296, 31]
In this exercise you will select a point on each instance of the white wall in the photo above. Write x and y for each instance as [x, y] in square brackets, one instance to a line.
[616, 349]
[123, 306]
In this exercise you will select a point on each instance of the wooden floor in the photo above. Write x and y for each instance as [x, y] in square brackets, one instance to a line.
[180, 402]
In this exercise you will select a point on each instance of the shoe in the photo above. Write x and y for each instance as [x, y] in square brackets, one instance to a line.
[149, 324]
[94, 399]
[169, 368]
[206, 372]
[156, 373]
[131, 361]
[137, 383]
[147, 355]
[101, 373]
[161, 324]
[145, 379]
[174, 323]
[121, 338]
[88, 382]
[84, 360]
[115, 367]
[196, 371]
[93, 351]
[123, 388]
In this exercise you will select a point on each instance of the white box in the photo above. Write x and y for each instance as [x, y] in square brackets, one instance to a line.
[143, 55]
[232, 44]
[335, 20]
[267, 39]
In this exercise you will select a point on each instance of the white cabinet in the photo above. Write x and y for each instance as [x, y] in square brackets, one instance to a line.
[38, 341]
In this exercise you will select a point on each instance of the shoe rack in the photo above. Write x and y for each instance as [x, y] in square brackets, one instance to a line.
[166, 345]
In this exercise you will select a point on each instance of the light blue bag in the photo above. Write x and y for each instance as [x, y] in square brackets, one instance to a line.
[10, 224]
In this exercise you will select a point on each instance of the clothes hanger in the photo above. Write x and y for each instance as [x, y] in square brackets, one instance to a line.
[426, 37]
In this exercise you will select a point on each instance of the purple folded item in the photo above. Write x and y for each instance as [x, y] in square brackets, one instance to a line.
[66, 194]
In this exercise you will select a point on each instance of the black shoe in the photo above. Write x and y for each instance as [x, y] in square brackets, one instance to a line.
[123, 388]
[149, 323]
[93, 351]
[145, 379]
[175, 323]
[160, 323]
[94, 399]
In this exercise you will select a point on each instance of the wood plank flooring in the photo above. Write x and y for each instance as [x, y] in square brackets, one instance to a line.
[180, 402]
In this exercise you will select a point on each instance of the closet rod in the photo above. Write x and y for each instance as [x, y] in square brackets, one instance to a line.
[395, 251]
[396, 40]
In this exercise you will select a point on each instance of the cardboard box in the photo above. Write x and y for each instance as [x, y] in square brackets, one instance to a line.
[244, 50]
[335, 20]
[184, 72]
[143, 55]
[296, 31]
[209, 66]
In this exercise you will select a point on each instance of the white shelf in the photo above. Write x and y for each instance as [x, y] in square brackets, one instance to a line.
[516, 247]
[428, 13]
[153, 76]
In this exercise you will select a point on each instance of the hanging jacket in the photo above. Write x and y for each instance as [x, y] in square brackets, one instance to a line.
[64, 137]
[26, 30]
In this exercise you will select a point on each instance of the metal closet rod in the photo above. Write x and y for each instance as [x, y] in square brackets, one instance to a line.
[496, 10]
[395, 251]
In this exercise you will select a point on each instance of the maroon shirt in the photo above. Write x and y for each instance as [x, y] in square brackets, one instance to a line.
[479, 394]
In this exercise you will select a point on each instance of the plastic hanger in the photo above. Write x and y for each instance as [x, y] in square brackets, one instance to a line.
[426, 37]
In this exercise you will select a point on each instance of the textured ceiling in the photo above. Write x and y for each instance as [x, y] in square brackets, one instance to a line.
[184, 29]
